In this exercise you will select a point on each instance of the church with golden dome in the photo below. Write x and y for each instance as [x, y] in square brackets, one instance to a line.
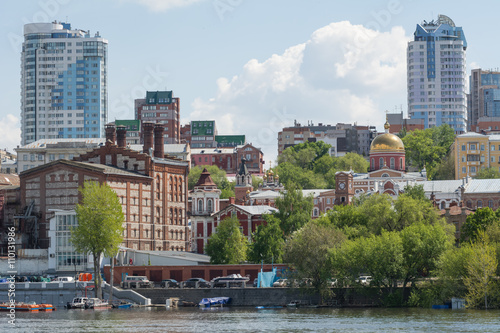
[387, 172]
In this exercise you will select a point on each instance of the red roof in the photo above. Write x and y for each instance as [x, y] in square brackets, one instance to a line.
[205, 179]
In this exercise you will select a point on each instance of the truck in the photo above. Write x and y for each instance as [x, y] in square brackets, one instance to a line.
[136, 282]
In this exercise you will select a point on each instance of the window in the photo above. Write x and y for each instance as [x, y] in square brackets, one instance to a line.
[209, 205]
[479, 204]
[393, 163]
[490, 204]
[381, 162]
[200, 205]
[472, 169]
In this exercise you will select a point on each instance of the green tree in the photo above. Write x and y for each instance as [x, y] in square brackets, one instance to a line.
[295, 210]
[306, 179]
[380, 256]
[415, 191]
[100, 225]
[268, 243]
[352, 161]
[481, 271]
[350, 219]
[379, 213]
[307, 250]
[423, 245]
[445, 170]
[488, 173]
[427, 148]
[256, 182]
[227, 246]
[477, 222]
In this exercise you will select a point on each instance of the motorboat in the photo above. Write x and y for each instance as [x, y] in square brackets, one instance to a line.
[96, 303]
[77, 303]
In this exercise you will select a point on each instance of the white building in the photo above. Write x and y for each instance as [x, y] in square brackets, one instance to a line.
[63, 83]
[437, 74]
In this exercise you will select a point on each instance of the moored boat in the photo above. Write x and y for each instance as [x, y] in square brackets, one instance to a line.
[214, 302]
[96, 303]
[77, 303]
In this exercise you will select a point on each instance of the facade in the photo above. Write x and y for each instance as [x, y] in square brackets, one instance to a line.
[204, 202]
[473, 152]
[151, 188]
[10, 204]
[47, 150]
[230, 140]
[343, 137]
[203, 134]
[161, 107]
[63, 83]
[484, 101]
[437, 74]
[399, 123]
[228, 159]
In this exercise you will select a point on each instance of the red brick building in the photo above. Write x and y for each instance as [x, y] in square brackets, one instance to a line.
[151, 189]
[228, 159]
[163, 108]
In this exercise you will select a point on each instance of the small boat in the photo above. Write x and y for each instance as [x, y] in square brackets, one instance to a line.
[47, 307]
[122, 305]
[293, 304]
[214, 302]
[26, 307]
[77, 303]
[96, 303]
[263, 307]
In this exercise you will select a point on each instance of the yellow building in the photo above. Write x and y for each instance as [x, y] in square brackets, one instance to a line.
[473, 152]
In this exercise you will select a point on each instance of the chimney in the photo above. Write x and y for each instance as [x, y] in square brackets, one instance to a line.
[110, 133]
[121, 136]
[159, 151]
[147, 130]
[231, 200]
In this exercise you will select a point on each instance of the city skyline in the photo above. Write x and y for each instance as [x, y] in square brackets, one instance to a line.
[254, 67]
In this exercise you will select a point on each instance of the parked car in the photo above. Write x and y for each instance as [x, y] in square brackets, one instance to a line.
[196, 283]
[280, 283]
[169, 283]
[137, 282]
[233, 280]
[364, 280]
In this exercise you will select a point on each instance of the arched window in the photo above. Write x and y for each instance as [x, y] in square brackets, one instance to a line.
[401, 166]
[385, 175]
[373, 163]
[200, 205]
[490, 204]
[315, 212]
[393, 163]
[381, 162]
[443, 205]
[479, 204]
[469, 204]
[210, 205]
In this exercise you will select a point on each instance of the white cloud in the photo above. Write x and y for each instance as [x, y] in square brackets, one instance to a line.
[343, 73]
[163, 5]
[11, 132]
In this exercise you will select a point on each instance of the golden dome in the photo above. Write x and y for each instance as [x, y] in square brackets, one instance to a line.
[387, 141]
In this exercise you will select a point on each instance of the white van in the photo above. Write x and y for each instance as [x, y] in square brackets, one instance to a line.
[65, 279]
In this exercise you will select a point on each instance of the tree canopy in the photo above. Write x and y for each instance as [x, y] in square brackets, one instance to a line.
[308, 250]
[227, 246]
[100, 225]
[428, 148]
[309, 166]
[268, 243]
[488, 173]
[295, 210]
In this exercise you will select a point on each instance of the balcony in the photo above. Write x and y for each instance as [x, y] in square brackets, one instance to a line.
[203, 212]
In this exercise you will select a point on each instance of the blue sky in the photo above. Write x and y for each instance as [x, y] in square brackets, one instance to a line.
[252, 65]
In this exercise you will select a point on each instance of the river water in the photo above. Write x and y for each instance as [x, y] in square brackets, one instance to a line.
[254, 320]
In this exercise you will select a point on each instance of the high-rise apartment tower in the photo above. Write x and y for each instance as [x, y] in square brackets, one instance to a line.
[437, 74]
[63, 83]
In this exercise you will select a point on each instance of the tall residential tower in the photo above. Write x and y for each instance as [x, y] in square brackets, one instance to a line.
[63, 83]
[437, 74]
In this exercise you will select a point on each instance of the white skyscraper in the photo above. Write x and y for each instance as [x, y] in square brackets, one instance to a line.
[437, 74]
[63, 83]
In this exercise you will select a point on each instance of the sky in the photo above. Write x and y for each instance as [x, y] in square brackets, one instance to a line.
[253, 66]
